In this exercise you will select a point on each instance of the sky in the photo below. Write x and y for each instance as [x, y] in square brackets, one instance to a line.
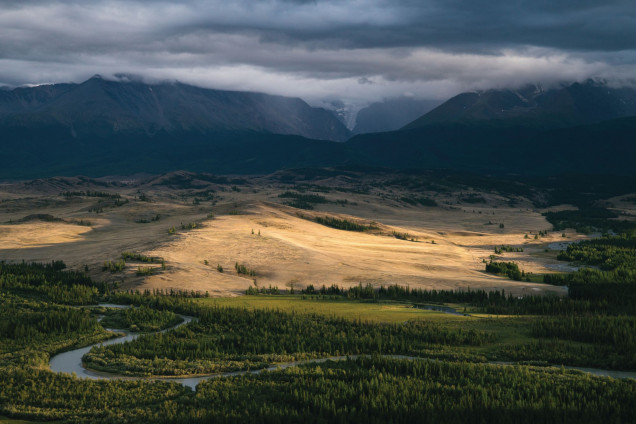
[354, 51]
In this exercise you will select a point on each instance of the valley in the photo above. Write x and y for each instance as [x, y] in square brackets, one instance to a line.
[249, 223]
[316, 212]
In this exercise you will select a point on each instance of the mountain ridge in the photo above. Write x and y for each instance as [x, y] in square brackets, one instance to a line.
[44, 144]
[99, 106]
[532, 106]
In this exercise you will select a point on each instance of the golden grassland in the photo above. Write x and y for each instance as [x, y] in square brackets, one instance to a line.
[446, 246]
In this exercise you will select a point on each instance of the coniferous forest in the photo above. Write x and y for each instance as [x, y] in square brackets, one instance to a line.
[416, 371]
[293, 211]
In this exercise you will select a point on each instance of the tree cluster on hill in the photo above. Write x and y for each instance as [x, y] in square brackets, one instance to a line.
[509, 269]
[504, 248]
[344, 224]
[91, 193]
[302, 200]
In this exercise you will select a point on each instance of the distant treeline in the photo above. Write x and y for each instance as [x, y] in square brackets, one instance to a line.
[581, 299]
[303, 201]
[608, 253]
[590, 219]
[418, 200]
[615, 281]
[91, 193]
[505, 248]
[344, 224]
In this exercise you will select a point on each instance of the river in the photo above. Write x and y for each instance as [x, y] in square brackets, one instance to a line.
[70, 362]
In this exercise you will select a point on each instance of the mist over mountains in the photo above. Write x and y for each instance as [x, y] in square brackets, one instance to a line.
[576, 104]
[98, 107]
[105, 127]
[582, 127]
[391, 114]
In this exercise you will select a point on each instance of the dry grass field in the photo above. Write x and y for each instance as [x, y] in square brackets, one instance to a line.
[248, 223]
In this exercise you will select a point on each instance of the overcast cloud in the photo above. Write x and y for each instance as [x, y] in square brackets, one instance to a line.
[357, 51]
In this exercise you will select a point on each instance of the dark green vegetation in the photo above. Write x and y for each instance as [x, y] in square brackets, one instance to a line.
[454, 387]
[116, 266]
[48, 282]
[503, 248]
[371, 390]
[144, 271]
[120, 264]
[608, 253]
[590, 308]
[509, 269]
[227, 339]
[132, 256]
[255, 291]
[155, 218]
[379, 390]
[589, 220]
[143, 319]
[592, 301]
[344, 224]
[35, 320]
[617, 331]
[302, 200]
[37, 325]
[615, 277]
[243, 270]
[403, 236]
[91, 193]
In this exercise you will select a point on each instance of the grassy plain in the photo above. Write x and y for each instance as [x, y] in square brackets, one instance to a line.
[245, 221]
[337, 307]
[5, 420]
[509, 330]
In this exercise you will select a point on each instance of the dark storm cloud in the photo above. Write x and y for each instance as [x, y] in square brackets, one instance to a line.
[358, 49]
[462, 25]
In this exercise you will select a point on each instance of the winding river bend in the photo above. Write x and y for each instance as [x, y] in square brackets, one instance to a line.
[70, 362]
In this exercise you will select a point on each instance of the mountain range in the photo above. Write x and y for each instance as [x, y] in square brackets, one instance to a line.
[104, 108]
[532, 106]
[103, 127]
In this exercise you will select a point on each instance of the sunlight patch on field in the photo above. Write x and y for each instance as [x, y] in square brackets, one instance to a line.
[39, 234]
[291, 250]
[341, 308]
